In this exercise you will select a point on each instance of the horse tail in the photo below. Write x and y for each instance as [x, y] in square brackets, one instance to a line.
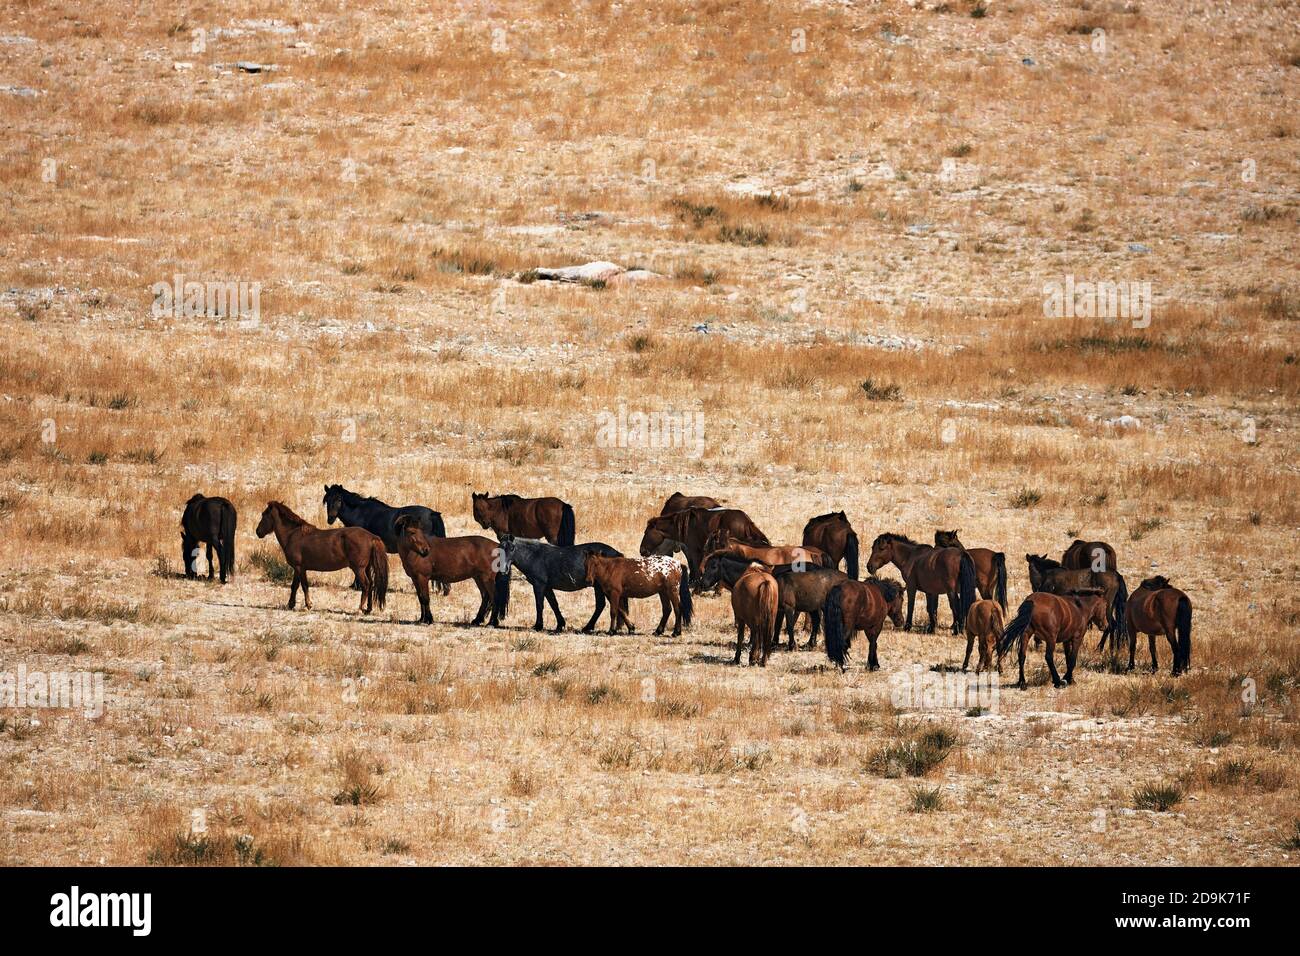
[1000, 585]
[501, 590]
[1011, 633]
[770, 594]
[567, 529]
[965, 588]
[851, 554]
[228, 521]
[837, 648]
[379, 572]
[1119, 625]
[435, 524]
[684, 596]
[1183, 628]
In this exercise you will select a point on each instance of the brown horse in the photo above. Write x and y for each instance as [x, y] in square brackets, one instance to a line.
[1057, 620]
[689, 530]
[548, 518]
[448, 560]
[798, 555]
[679, 502]
[984, 623]
[1092, 555]
[805, 591]
[1157, 607]
[623, 578]
[1048, 575]
[755, 603]
[309, 548]
[833, 534]
[932, 571]
[860, 606]
[990, 567]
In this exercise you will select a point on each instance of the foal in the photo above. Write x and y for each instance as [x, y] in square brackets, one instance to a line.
[984, 623]
[755, 604]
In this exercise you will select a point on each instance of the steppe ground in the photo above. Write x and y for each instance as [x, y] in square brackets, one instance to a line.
[853, 209]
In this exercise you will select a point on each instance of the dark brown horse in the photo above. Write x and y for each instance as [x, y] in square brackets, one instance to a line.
[623, 578]
[309, 548]
[755, 604]
[689, 530]
[1093, 555]
[990, 567]
[1056, 619]
[548, 518]
[932, 571]
[860, 606]
[833, 534]
[209, 521]
[679, 502]
[1157, 607]
[448, 560]
[805, 591]
[1048, 575]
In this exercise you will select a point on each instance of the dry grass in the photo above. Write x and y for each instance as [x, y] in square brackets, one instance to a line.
[853, 240]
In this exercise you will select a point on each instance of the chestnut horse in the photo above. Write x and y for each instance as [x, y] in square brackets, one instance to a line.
[860, 606]
[1092, 555]
[990, 567]
[1055, 619]
[833, 534]
[932, 571]
[984, 623]
[309, 548]
[209, 521]
[427, 557]
[798, 555]
[548, 518]
[679, 502]
[689, 530]
[755, 605]
[1157, 607]
[623, 578]
[1048, 575]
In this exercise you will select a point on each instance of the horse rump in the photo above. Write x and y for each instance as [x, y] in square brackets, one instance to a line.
[965, 589]
[1000, 585]
[436, 527]
[227, 553]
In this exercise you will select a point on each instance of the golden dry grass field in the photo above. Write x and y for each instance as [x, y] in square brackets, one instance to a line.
[852, 210]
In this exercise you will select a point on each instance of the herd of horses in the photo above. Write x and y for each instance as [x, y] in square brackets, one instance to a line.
[769, 585]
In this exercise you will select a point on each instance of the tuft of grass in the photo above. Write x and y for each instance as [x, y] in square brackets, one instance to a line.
[1026, 498]
[273, 566]
[915, 757]
[742, 235]
[548, 667]
[881, 391]
[1157, 796]
[922, 799]
[1144, 527]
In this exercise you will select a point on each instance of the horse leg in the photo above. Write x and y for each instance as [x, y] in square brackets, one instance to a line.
[664, 607]
[615, 610]
[306, 595]
[293, 589]
[873, 662]
[1071, 655]
[600, 606]
[422, 591]
[932, 609]
[1024, 645]
[970, 646]
[740, 640]
[484, 602]
[555, 606]
[674, 599]
[538, 596]
[911, 601]
[367, 588]
[814, 623]
[1132, 647]
[1151, 640]
[627, 621]
[1050, 654]
[952, 606]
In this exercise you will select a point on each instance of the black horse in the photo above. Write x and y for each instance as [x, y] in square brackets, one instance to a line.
[550, 568]
[356, 511]
[212, 522]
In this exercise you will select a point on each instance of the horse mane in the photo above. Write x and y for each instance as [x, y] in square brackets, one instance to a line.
[1155, 583]
[826, 517]
[288, 513]
[1043, 561]
[507, 500]
[890, 536]
[890, 589]
[351, 497]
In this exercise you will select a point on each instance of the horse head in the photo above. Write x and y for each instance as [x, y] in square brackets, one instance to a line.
[332, 501]
[882, 552]
[485, 509]
[412, 537]
[657, 538]
[267, 524]
[947, 539]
